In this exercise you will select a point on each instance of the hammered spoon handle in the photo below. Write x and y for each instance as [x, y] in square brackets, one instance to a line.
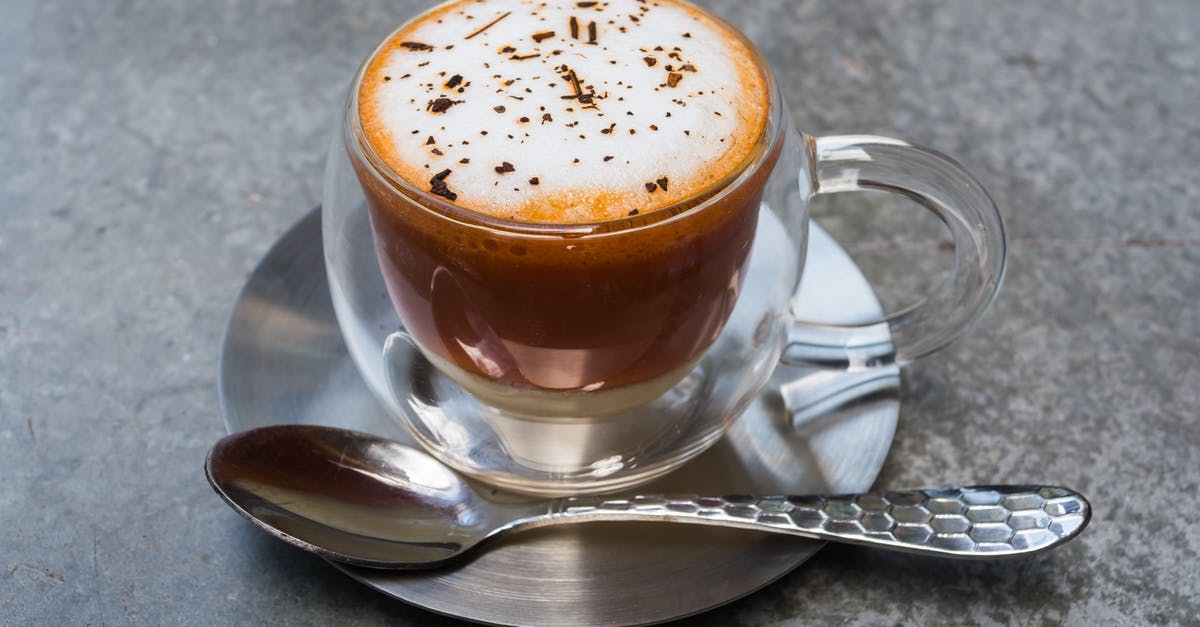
[966, 522]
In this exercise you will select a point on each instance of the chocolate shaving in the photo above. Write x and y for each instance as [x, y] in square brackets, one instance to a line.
[633, 213]
[662, 182]
[575, 86]
[437, 185]
[586, 5]
[524, 57]
[609, 158]
[505, 168]
[499, 109]
[591, 33]
[540, 37]
[546, 117]
[431, 141]
[673, 79]
[416, 46]
[454, 81]
[464, 160]
[535, 181]
[437, 152]
[574, 28]
[650, 61]
[489, 25]
[441, 105]
[651, 187]
[586, 98]
[507, 50]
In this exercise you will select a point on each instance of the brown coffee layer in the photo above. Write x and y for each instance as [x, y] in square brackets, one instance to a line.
[562, 313]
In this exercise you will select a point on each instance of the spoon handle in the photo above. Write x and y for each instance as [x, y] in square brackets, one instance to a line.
[967, 522]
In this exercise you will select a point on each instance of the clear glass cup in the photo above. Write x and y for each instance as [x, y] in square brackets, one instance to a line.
[554, 359]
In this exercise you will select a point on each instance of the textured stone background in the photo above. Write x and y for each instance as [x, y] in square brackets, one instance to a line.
[151, 152]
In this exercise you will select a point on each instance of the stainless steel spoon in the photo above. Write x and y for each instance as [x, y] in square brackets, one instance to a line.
[365, 500]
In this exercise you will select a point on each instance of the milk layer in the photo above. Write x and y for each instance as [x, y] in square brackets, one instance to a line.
[564, 112]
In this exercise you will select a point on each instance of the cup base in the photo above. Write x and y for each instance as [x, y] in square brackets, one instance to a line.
[551, 455]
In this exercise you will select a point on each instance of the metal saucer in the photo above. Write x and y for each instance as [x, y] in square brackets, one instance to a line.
[283, 361]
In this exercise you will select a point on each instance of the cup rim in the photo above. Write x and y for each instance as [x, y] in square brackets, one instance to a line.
[773, 131]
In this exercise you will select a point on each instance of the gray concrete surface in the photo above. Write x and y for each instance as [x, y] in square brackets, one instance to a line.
[151, 152]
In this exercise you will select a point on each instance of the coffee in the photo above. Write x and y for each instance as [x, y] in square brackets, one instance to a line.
[564, 195]
[563, 112]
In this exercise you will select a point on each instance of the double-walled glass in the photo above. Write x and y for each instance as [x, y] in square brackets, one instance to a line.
[587, 357]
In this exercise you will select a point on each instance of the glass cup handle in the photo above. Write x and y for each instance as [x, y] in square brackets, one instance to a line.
[850, 163]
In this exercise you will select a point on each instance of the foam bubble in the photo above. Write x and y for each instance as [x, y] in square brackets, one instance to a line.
[564, 111]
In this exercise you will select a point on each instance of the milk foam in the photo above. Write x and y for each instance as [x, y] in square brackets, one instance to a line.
[563, 111]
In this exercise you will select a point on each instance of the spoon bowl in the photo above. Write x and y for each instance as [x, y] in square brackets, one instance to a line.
[368, 501]
[354, 498]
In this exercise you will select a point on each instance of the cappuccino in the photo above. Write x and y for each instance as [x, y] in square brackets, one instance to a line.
[564, 195]
[563, 112]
